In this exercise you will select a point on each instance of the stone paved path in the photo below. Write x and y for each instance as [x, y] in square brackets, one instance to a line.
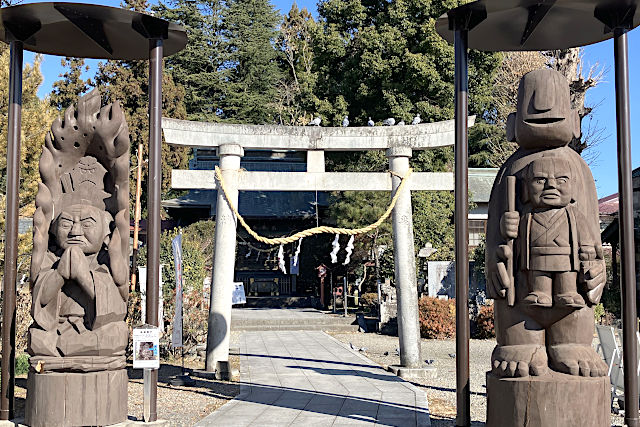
[307, 378]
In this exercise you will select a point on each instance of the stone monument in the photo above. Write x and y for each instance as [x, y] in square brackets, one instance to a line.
[545, 269]
[79, 270]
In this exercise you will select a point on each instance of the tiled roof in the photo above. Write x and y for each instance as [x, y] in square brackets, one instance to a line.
[608, 205]
[481, 183]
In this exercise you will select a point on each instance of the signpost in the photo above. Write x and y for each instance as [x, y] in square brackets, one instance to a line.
[146, 356]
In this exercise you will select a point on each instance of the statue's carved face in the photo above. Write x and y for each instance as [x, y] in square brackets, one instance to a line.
[544, 117]
[81, 225]
[549, 183]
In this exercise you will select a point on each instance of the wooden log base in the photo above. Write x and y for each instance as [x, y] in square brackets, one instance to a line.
[76, 399]
[552, 400]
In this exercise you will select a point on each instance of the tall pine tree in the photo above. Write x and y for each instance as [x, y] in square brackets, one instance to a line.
[197, 67]
[251, 71]
[128, 82]
[380, 58]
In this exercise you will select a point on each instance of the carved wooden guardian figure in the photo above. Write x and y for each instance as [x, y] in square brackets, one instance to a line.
[79, 270]
[545, 269]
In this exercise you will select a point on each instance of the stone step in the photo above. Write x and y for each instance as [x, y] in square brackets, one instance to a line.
[338, 321]
[282, 302]
[295, 327]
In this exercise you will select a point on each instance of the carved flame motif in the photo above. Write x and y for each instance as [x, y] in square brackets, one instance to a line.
[85, 139]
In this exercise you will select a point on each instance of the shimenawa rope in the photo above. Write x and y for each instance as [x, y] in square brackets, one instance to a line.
[315, 230]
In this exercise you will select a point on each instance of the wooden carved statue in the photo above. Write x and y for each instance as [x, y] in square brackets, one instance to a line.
[79, 270]
[544, 265]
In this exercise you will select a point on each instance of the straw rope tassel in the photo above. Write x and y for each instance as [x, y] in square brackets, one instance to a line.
[315, 230]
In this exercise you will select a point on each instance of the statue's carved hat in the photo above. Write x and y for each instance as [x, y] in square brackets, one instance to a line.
[83, 185]
[544, 117]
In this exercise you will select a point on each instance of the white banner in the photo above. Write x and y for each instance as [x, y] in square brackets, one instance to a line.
[176, 335]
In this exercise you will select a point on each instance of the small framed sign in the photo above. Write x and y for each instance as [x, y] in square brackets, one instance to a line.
[146, 351]
[238, 296]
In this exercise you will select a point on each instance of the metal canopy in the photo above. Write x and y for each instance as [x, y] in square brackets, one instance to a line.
[88, 31]
[539, 24]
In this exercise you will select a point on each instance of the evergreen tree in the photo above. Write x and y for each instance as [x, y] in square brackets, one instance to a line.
[128, 82]
[37, 116]
[197, 67]
[251, 71]
[66, 91]
[380, 58]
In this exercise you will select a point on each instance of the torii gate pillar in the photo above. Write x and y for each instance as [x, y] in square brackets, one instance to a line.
[224, 261]
[405, 264]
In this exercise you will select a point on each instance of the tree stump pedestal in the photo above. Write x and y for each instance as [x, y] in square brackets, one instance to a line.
[76, 398]
[551, 400]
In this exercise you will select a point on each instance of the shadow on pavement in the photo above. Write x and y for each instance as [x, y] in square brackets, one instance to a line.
[347, 408]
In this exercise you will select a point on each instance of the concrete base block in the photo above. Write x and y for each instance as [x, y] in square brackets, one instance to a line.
[414, 373]
[76, 398]
[223, 373]
[552, 400]
[17, 422]
[131, 423]
[201, 373]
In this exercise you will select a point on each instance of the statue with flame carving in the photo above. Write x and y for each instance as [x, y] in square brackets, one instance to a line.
[79, 269]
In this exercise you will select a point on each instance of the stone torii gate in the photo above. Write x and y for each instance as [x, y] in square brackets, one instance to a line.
[231, 140]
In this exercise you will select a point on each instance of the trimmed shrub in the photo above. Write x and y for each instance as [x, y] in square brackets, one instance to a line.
[369, 299]
[437, 317]
[22, 364]
[484, 323]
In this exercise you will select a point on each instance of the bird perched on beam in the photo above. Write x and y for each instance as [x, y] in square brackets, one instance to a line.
[389, 122]
[416, 120]
[345, 122]
[400, 123]
[315, 122]
[370, 122]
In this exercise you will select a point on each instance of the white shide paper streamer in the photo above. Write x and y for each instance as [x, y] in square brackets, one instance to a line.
[295, 256]
[349, 250]
[336, 248]
[281, 259]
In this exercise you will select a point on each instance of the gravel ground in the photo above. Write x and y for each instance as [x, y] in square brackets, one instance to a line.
[441, 390]
[181, 406]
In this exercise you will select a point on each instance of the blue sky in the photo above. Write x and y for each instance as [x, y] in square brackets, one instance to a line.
[603, 159]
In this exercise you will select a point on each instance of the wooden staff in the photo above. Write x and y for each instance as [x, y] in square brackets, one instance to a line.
[511, 206]
[136, 220]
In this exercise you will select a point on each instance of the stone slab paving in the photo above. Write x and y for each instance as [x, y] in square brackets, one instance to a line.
[308, 378]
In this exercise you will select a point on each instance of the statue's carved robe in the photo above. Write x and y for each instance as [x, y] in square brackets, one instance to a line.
[584, 208]
[73, 324]
[548, 240]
